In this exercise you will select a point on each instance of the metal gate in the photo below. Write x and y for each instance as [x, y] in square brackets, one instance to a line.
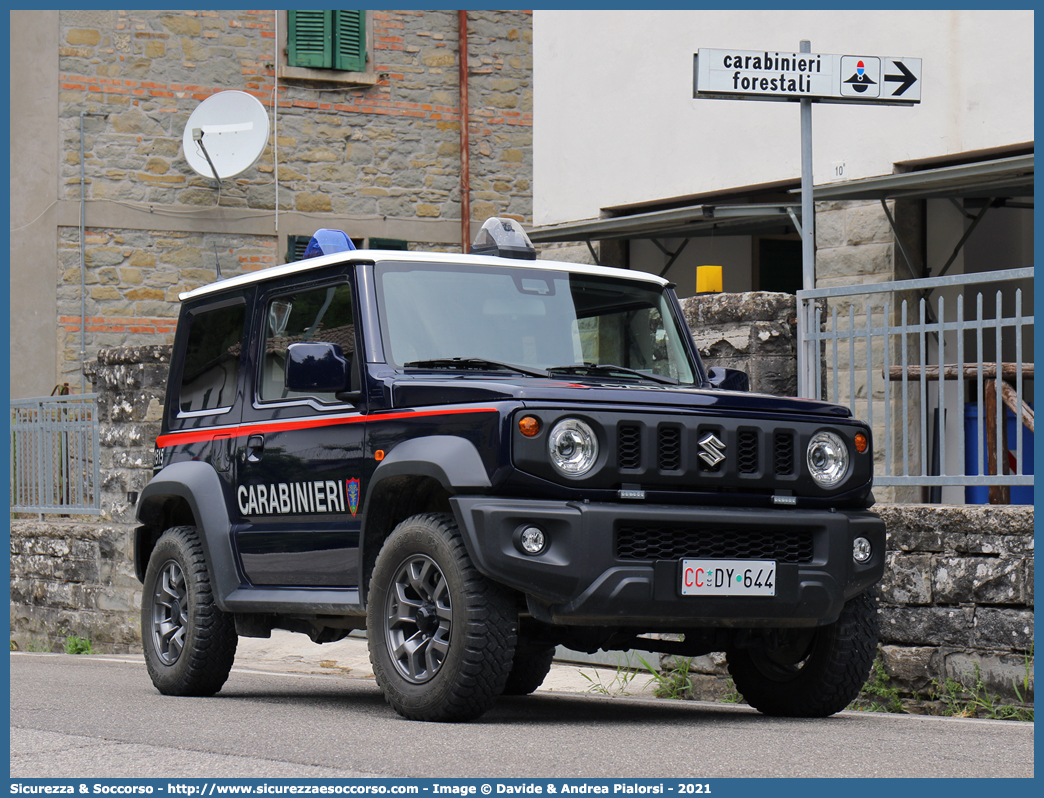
[924, 362]
[54, 455]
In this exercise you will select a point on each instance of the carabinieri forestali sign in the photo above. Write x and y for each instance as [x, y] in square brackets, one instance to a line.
[821, 77]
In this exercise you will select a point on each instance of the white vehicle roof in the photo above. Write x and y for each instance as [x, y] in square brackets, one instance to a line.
[351, 256]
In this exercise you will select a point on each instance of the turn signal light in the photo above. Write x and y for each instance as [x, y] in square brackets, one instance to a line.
[529, 426]
[861, 442]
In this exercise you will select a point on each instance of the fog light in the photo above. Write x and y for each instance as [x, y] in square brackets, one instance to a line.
[532, 540]
[861, 550]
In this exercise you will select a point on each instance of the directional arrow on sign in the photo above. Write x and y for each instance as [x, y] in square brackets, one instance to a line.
[907, 79]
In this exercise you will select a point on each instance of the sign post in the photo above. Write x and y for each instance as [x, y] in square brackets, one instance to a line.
[808, 207]
[806, 77]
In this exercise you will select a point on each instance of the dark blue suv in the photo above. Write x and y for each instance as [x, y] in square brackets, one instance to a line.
[478, 458]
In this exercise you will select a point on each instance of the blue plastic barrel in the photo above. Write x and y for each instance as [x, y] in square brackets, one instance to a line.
[980, 494]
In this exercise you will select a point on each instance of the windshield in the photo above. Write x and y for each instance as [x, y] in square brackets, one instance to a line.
[530, 317]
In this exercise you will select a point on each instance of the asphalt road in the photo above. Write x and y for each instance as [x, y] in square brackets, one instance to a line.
[100, 717]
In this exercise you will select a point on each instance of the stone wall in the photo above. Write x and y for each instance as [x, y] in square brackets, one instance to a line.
[855, 244]
[755, 332]
[133, 278]
[957, 595]
[76, 577]
[379, 155]
[131, 383]
[958, 592]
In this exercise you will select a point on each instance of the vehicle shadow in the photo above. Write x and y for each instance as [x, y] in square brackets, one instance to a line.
[547, 709]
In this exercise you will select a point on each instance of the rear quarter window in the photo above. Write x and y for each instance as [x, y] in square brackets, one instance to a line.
[210, 365]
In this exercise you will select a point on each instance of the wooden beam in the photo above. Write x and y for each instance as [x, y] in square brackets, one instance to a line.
[999, 494]
[952, 371]
[1010, 398]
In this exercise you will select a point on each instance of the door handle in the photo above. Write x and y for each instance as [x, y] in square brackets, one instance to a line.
[255, 447]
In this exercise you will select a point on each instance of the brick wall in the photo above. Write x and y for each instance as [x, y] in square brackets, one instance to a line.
[133, 278]
[388, 152]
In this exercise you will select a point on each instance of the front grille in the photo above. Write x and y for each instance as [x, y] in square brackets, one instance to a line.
[647, 542]
[783, 454]
[701, 455]
[669, 449]
[629, 446]
[747, 456]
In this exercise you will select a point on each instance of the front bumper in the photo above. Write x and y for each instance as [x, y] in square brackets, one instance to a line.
[580, 579]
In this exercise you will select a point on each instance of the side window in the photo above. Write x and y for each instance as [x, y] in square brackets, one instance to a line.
[327, 40]
[316, 314]
[211, 362]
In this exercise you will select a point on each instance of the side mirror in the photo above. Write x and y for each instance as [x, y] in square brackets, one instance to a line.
[728, 379]
[318, 367]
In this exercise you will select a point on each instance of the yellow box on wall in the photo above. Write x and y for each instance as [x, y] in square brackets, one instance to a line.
[708, 279]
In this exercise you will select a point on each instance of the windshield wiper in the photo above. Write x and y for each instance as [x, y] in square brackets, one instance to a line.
[609, 370]
[473, 363]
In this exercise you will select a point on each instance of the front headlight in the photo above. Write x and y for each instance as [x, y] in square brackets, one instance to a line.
[573, 447]
[827, 459]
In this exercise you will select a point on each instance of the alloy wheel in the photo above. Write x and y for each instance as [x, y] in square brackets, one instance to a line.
[170, 613]
[418, 619]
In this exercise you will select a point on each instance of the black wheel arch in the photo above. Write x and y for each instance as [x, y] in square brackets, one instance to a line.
[417, 476]
[188, 493]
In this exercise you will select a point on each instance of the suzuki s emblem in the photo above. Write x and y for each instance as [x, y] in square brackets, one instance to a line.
[713, 449]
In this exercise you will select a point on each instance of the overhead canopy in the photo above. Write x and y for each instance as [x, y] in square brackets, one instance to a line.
[687, 222]
[1004, 177]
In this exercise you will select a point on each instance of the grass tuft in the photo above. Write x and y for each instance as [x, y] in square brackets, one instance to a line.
[77, 645]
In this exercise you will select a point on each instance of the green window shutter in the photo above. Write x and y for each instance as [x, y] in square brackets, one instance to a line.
[389, 243]
[295, 247]
[310, 39]
[350, 41]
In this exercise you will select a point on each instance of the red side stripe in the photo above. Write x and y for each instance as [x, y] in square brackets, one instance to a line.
[243, 430]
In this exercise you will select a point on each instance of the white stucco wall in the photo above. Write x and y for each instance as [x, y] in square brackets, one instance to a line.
[615, 122]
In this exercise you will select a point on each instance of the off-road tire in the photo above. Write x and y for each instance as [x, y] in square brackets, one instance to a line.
[189, 643]
[837, 663]
[528, 670]
[424, 589]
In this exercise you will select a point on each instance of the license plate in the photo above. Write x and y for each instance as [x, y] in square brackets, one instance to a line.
[728, 578]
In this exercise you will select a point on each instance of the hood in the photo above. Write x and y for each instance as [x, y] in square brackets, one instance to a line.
[424, 390]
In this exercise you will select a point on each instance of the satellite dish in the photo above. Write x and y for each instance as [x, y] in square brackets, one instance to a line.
[232, 128]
